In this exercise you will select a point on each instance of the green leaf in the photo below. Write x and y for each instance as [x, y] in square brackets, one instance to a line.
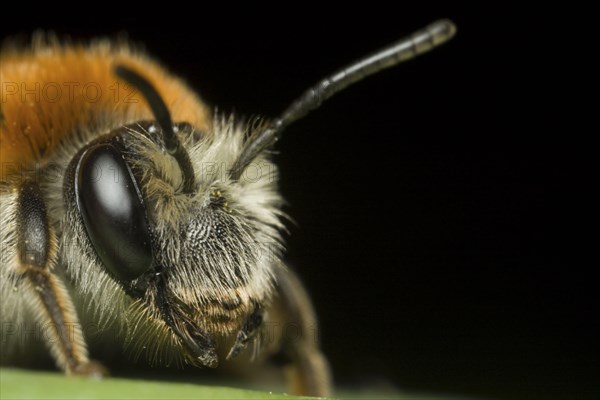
[21, 384]
[31, 385]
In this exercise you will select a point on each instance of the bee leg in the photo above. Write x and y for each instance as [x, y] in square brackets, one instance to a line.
[49, 299]
[309, 372]
[247, 333]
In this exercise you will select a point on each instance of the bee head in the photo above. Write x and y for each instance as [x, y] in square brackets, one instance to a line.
[164, 226]
[166, 219]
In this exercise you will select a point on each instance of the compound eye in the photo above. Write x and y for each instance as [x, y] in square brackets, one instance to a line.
[113, 212]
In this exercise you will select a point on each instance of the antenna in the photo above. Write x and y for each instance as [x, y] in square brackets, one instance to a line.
[163, 117]
[407, 48]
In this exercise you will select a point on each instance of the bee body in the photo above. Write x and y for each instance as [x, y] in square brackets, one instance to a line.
[51, 91]
[128, 208]
[217, 267]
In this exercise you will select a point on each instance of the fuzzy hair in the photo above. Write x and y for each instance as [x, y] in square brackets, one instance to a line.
[221, 244]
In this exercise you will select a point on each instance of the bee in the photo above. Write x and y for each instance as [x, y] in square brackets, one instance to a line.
[126, 203]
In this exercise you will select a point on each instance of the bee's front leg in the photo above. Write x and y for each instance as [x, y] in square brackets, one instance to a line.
[308, 371]
[36, 257]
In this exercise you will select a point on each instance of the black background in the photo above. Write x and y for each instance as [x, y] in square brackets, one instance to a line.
[436, 216]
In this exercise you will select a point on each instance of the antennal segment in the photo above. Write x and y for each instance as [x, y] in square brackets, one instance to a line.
[163, 117]
[407, 48]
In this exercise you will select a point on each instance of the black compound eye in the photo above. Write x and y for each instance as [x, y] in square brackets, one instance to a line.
[113, 212]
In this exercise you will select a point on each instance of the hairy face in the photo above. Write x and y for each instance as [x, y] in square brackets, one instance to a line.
[208, 262]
